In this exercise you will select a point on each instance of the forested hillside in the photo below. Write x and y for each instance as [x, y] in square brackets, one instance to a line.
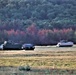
[37, 19]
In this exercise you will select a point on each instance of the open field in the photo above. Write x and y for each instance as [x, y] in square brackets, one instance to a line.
[46, 60]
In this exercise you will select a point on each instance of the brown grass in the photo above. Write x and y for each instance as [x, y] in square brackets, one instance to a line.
[42, 56]
[41, 60]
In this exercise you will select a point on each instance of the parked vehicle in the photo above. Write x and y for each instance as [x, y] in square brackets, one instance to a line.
[28, 46]
[64, 43]
[11, 46]
[1, 47]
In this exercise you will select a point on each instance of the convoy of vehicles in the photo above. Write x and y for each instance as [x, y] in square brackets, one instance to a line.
[8, 45]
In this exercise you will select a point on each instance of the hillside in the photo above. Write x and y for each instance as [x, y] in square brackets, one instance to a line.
[17, 17]
[46, 14]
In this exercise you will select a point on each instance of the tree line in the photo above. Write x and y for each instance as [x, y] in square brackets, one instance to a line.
[47, 14]
[37, 36]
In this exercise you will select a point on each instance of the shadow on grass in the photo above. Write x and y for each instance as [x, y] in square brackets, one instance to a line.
[4, 70]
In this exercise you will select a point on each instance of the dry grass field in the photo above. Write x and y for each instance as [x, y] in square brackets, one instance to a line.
[45, 60]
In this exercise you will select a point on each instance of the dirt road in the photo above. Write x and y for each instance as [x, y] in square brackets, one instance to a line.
[37, 50]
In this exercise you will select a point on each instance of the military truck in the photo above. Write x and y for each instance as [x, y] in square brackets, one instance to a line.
[8, 45]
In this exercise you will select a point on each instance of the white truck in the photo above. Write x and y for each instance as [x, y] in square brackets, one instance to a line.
[65, 43]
